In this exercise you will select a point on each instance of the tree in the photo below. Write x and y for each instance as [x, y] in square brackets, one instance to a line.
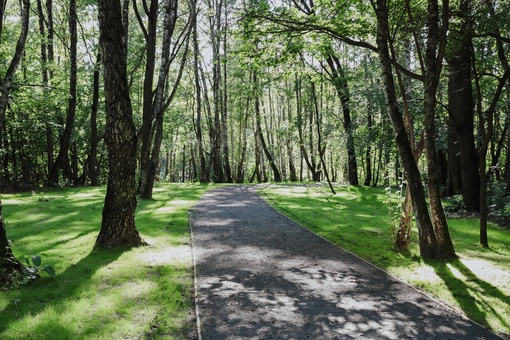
[461, 106]
[8, 263]
[339, 80]
[62, 160]
[427, 238]
[118, 225]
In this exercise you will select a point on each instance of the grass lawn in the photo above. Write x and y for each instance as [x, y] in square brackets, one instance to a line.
[141, 293]
[357, 219]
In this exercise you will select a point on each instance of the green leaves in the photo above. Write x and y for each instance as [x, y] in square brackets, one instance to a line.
[34, 267]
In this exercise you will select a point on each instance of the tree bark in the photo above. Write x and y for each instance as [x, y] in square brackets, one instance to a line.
[433, 63]
[461, 106]
[427, 238]
[150, 33]
[3, 4]
[215, 7]
[94, 139]
[160, 103]
[224, 107]
[118, 225]
[8, 262]
[9, 74]
[203, 173]
[340, 82]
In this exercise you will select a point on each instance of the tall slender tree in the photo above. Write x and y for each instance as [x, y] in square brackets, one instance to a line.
[8, 262]
[62, 160]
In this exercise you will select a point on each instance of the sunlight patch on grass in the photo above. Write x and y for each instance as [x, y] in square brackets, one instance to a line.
[168, 256]
[100, 293]
[477, 284]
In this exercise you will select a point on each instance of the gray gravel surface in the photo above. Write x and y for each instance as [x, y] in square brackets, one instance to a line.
[259, 275]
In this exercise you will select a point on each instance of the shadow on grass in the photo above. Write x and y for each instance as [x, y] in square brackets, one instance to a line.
[56, 291]
[471, 292]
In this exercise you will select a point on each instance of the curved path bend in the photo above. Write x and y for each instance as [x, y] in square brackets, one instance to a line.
[259, 275]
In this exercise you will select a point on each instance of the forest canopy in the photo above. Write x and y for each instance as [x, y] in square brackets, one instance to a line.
[379, 93]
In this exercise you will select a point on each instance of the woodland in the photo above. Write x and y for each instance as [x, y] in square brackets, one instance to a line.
[410, 94]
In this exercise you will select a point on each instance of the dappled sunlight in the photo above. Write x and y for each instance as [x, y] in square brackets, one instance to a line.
[160, 255]
[99, 293]
[488, 272]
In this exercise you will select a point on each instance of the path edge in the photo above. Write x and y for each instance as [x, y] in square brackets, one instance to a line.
[195, 281]
[453, 310]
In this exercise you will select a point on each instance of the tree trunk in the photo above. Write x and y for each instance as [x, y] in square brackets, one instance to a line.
[461, 105]
[224, 107]
[3, 4]
[433, 62]
[62, 160]
[9, 263]
[9, 75]
[45, 79]
[118, 225]
[215, 7]
[454, 185]
[240, 173]
[368, 152]
[507, 164]
[427, 238]
[204, 175]
[150, 34]
[94, 139]
[258, 130]
[160, 103]
[288, 144]
[342, 88]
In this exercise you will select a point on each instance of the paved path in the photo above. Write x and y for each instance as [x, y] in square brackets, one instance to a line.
[261, 276]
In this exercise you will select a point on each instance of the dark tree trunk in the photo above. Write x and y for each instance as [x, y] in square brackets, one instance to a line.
[224, 107]
[454, 186]
[301, 125]
[3, 4]
[288, 144]
[258, 130]
[94, 139]
[433, 62]
[461, 108]
[150, 33]
[203, 173]
[507, 164]
[368, 152]
[8, 263]
[62, 160]
[9, 75]
[215, 7]
[342, 88]
[427, 238]
[160, 103]
[45, 79]
[243, 142]
[502, 55]
[118, 225]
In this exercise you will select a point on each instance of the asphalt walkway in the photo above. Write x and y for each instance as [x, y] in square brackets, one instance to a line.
[260, 275]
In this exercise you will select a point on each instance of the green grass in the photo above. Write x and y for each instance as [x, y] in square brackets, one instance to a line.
[357, 219]
[141, 293]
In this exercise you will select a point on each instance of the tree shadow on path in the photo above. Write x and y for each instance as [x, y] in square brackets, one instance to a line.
[262, 276]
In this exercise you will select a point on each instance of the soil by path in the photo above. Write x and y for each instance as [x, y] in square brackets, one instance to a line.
[260, 275]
